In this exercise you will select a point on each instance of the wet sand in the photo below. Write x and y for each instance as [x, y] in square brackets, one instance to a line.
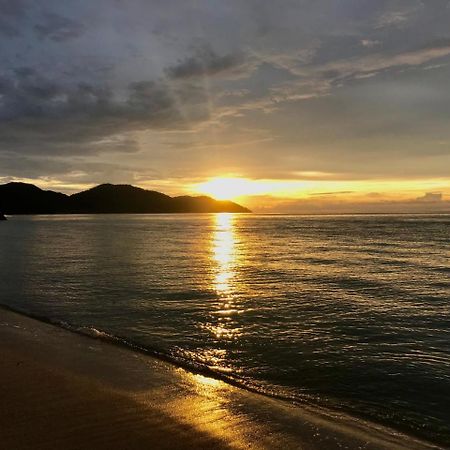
[61, 390]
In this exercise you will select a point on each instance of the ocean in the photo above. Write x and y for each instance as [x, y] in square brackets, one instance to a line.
[351, 313]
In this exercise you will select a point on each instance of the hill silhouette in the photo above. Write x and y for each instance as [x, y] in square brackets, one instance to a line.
[23, 198]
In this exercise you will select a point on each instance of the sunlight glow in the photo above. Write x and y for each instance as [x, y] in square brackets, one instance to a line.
[206, 381]
[223, 251]
[241, 189]
[224, 256]
[232, 188]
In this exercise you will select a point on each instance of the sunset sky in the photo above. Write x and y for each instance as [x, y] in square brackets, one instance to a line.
[289, 106]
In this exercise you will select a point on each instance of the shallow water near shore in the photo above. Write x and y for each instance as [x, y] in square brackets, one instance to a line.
[348, 312]
[149, 403]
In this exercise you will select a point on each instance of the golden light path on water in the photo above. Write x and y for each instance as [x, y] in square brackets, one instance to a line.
[224, 258]
[224, 251]
[221, 321]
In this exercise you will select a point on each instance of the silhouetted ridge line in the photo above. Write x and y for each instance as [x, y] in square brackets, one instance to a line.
[23, 198]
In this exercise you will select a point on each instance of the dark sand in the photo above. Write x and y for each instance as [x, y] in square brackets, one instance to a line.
[61, 390]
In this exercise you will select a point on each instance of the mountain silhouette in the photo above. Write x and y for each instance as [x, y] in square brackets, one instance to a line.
[23, 198]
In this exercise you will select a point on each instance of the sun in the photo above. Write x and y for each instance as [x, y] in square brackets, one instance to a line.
[227, 188]
[238, 189]
[221, 188]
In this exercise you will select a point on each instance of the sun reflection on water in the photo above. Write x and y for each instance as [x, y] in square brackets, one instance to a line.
[224, 257]
[224, 251]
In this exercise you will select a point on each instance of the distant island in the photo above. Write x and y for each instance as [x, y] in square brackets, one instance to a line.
[24, 198]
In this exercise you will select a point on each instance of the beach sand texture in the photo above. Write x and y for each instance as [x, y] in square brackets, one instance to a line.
[61, 390]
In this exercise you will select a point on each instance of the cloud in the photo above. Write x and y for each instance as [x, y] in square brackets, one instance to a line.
[310, 80]
[370, 43]
[7, 29]
[39, 115]
[399, 17]
[378, 62]
[58, 28]
[353, 205]
[17, 166]
[320, 80]
[11, 11]
[333, 193]
[70, 172]
[205, 62]
[430, 197]
[12, 8]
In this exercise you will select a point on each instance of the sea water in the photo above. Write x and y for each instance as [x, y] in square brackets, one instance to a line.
[348, 312]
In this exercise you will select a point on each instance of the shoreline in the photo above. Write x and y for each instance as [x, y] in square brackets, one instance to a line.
[64, 388]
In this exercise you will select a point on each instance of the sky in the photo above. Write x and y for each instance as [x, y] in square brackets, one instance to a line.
[286, 106]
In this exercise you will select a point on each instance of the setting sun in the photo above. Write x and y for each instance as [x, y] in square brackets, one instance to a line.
[230, 188]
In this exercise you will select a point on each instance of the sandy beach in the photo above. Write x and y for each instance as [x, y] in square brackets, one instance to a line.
[60, 390]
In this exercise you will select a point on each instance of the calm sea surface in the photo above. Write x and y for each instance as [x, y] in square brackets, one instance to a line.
[350, 312]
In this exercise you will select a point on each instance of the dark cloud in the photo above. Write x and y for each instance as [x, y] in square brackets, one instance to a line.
[17, 166]
[44, 116]
[12, 8]
[58, 28]
[206, 62]
[75, 171]
[7, 29]
[11, 11]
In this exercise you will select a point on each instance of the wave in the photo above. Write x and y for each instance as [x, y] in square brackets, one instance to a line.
[315, 402]
[171, 358]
